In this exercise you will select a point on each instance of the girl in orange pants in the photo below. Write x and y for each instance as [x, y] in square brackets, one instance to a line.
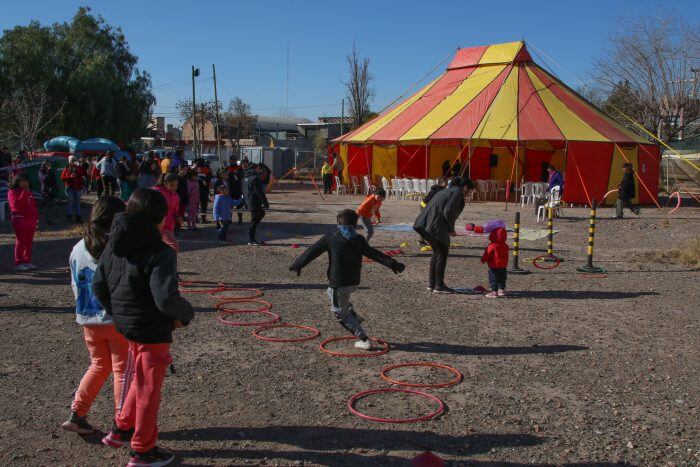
[108, 349]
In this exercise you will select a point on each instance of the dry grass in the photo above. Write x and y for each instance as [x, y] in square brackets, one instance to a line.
[687, 254]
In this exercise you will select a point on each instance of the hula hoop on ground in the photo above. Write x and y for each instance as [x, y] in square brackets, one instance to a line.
[351, 405]
[677, 194]
[457, 379]
[323, 348]
[314, 333]
[222, 314]
[229, 306]
[219, 286]
[539, 258]
[254, 293]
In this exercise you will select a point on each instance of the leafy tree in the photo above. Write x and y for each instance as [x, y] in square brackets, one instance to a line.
[86, 63]
[238, 121]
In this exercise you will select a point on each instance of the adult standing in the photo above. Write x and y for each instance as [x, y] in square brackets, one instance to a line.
[436, 224]
[235, 187]
[626, 192]
[72, 176]
[338, 166]
[165, 163]
[47, 178]
[254, 197]
[148, 172]
[327, 176]
[127, 179]
[108, 173]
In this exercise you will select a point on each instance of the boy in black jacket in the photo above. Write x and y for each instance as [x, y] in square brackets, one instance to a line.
[136, 282]
[345, 251]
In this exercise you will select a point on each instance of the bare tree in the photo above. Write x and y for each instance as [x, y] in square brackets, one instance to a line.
[25, 113]
[238, 120]
[651, 74]
[359, 91]
[206, 113]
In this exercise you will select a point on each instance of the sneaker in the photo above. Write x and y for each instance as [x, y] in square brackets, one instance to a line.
[30, 266]
[254, 243]
[117, 438]
[21, 268]
[493, 294]
[77, 424]
[364, 345]
[501, 293]
[443, 289]
[430, 288]
[156, 457]
[639, 212]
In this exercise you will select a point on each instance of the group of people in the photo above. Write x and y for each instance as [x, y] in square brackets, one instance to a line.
[241, 186]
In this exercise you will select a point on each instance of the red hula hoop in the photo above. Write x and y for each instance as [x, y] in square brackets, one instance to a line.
[555, 264]
[256, 293]
[360, 395]
[323, 348]
[219, 287]
[457, 379]
[229, 306]
[314, 333]
[222, 319]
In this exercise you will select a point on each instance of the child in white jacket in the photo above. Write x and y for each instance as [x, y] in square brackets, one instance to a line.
[108, 349]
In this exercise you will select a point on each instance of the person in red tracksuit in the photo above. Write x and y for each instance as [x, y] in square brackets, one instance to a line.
[72, 176]
[496, 256]
[24, 219]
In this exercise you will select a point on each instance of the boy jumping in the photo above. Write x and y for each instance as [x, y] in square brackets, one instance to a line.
[345, 249]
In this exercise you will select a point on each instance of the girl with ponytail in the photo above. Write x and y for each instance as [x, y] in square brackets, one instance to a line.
[108, 349]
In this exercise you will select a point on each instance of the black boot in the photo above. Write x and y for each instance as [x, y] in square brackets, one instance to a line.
[240, 218]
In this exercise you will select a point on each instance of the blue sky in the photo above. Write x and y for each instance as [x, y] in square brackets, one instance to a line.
[404, 40]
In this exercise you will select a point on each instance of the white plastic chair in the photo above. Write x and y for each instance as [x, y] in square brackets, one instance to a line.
[553, 202]
[527, 192]
[339, 187]
[355, 185]
[369, 188]
[385, 185]
[496, 187]
[482, 190]
[396, 188]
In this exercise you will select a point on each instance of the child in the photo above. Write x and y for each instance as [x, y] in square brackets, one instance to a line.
[345, 251]
[223, 204]
[496, 256]
[167, 186]
[204, 180]
[183, 192]
[193, 194]
[24, 219]
[370, 208]
[108, 349]
[136, 282]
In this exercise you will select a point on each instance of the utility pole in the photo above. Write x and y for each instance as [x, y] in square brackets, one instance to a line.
[286, 85]
[342, 117]
[195, 73]
[202, 126]
[216, 119]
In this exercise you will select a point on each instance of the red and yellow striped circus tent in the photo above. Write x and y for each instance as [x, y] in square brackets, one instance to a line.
[491, 104]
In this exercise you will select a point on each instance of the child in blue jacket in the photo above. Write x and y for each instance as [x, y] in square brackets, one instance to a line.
[223, 204]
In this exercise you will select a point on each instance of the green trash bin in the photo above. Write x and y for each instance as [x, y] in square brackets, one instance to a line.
[59, 163]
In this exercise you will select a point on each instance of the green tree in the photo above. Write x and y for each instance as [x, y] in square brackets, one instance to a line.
[85, 63]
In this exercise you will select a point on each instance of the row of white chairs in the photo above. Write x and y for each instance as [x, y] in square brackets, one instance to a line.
[530, 191]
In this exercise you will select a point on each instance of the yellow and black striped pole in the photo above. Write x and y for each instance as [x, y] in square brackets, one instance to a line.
[549, 257]
[589, 267]
[516, 269]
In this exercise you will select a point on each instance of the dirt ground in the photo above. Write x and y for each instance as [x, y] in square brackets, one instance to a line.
[567, 369]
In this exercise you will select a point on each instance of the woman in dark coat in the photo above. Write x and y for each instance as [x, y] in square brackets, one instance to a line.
[47, 178]
[436, 224]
